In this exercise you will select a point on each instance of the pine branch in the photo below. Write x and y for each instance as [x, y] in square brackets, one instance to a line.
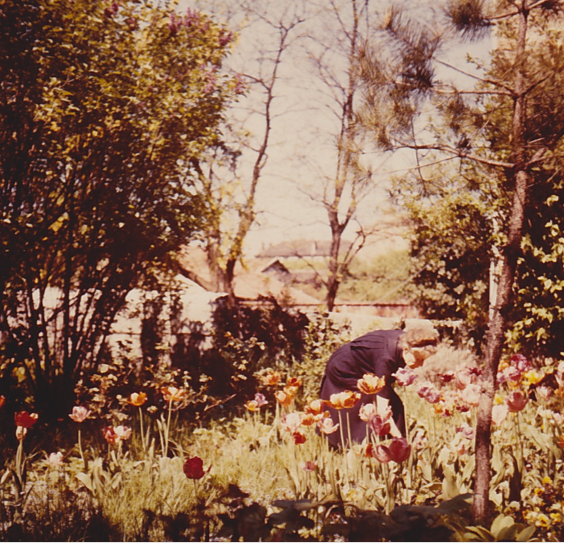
[458, 153]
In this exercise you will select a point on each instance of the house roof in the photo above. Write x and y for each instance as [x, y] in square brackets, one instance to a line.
[249, 283]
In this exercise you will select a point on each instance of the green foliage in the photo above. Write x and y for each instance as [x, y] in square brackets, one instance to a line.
[103, 108]
[385, 277]
[322, 339]
[461, 215]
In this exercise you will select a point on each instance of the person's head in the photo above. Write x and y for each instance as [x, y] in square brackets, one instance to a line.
[418, 344]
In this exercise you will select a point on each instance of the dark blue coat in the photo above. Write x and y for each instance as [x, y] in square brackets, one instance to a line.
[376, 352]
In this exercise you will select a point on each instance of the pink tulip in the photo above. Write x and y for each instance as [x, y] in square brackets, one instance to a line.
[123, 432]
[292, 421]
[405, 376]
[79, 413]
[326, 426]
[428, 392]
[367, 412]
[380, 426]
[471, 394]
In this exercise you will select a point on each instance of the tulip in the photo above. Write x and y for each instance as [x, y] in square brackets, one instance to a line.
[516, 401]
[292, 422]
[397, 451]
[315, 407]
[380, 426]
[55, 459]
[123, 433]
[299, 437]
[137, 399]
[110, 435]
[465, 430]
[405, 376]
[367, 412]
[194, 468]
[344, 400]
[252, 405]
[462, 379]
[25, 420]
[284, 397]
[271, 379]
[309, 419]
[294, 382]
[79, 413]
[310, 466]
[2, 401]
[520, 362]
[544, 392]
[326, 426]
[172, 394]
[471, 394]
[429, 392]
[371, 384]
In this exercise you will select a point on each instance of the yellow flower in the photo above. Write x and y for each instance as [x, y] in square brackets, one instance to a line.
[498, 400]
[556, 518]
[252, 405]
[546, 481]
[533, 377]
[543, 521]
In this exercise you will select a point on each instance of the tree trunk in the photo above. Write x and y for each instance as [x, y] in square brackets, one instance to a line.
[498, 322]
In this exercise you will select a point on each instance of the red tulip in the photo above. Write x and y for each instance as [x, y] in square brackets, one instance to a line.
[517, 401]
[194, 468]
[397, 451]
[25, 420]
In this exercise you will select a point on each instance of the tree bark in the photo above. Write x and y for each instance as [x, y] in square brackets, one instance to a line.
[498, 322]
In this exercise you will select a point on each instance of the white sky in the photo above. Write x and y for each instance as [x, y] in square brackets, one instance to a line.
[301, 148]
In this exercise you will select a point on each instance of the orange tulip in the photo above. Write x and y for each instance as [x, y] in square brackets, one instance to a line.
[137, 399]
[315, 407]
[371, 384]
[344, 400]
[294, 382]
[309, 419]
[271, 379]
[284, 397]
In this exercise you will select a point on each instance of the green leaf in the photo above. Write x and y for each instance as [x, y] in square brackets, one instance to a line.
[526, 534]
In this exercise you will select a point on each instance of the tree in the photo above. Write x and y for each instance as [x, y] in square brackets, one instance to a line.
[231, 175]
[501, 128]
[335, 44]
[103, 108]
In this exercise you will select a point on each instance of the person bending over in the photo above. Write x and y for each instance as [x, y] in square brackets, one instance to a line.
[382, 353]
